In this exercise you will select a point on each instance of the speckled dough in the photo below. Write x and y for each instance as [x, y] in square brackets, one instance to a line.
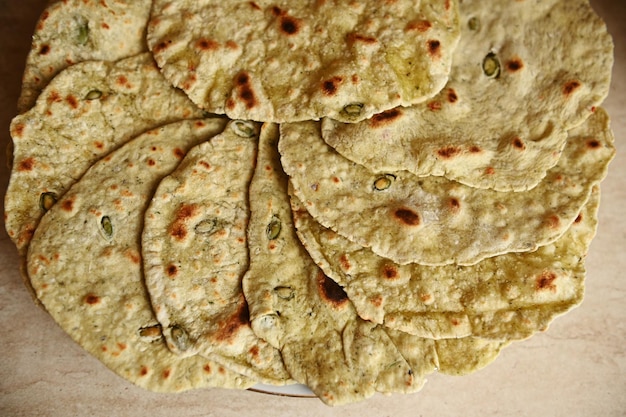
[73, 31]
[195, 252]
[84, 113]
[278, 61]
[85, 264]
[436, 221]
[506, 297]
[501, 132]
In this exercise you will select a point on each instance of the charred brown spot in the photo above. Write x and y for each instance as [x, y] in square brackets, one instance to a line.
[593, 144]
[91, 299]
[553, 221]
[454, 204]
[167, 373]
[178, 231]
[434, 105]
[243, 79]
[133, 256]
[44, 50]
[205, 165]
[385, 118]
[179, 153]
[207, 368]
[448, 152]
[98, 145]
[514, 65]
[546, 281]
[490, 170]
[254, 351]
[18, 130]
[171, 270]
[355, 37]
[419, 25]
[207, 44]
[229, 328]
[452, 97]
[143, 371]
[578, 219]
[345, 262]
[68, 204]
[377, 300]
[289, 25]
[162, 46]
[151, 162]
[434, 48]
[330, 87]
[570, 87]
[105, 26]
[455, 322]
[330, 290]
[519, 144]
[244, 90]
[53, 97]
[475, 149]
[26, 164]
[390, 271]
[122, 346]
[407, 216]
[254, 5]
[72, 101]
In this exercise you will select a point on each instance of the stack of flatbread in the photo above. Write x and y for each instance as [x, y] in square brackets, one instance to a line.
[347, 195]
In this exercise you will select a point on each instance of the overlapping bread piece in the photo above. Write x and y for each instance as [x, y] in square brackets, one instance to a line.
[290, 61]
[436, 221]
[302, 312]
[85, 264]
[84, 113]
[506, 297]
[73, 31]
[195, 250]
[305, 314]
[524, 73]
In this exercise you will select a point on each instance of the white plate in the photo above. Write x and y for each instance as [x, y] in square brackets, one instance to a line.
[294, 390]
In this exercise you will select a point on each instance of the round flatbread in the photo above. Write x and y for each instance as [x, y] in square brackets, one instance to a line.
[436, 221]
[85, 264]
[195, 252]
[524, 73]
[291, 61]
[84, 113]
[73, 31]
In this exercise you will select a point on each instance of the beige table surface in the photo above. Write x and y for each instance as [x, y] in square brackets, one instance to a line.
[576, 368]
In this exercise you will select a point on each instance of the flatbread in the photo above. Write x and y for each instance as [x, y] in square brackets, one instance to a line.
[436, 221]
[291, 61]
[500, 132]
[306, 315]
[195, 251]
[506, 297]
[73, 31]
[302, 312]
[84, 113]
[85, 264]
